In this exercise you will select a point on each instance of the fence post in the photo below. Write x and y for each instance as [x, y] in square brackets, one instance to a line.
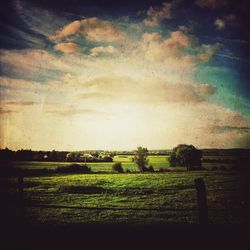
[20, 197]
[202, 201]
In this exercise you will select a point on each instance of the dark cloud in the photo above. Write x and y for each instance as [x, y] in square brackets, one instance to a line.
[223, 129]
[15, 34]
[211, 3]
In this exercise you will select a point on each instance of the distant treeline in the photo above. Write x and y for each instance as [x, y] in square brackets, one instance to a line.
[104, 156]
[29, 155]
[54, 156]
[74, 156]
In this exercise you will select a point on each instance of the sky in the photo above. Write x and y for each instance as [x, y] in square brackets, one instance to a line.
[114, 75]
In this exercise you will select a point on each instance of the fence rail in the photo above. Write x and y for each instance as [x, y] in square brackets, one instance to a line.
[107, 208]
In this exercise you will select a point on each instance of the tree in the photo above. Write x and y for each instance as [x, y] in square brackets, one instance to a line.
[185, 155]
[141, 158]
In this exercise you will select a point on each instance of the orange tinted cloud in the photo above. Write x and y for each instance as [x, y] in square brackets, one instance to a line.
[94, 29]
[68, 47]
[174, 49]
[102, 49]
[68, 30]
[156, 47]
[97, 30]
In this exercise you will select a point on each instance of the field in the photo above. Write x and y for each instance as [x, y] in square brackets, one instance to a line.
[103, 197]
[156, 161]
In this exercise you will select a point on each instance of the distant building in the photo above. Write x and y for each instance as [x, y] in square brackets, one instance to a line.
[86, 157]
[104, 154]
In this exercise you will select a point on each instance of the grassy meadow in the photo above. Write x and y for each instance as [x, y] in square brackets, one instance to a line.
[158, 162]
[105, 197]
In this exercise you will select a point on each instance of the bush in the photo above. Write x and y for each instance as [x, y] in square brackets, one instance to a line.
[214, 168]
[150, 169]
[194, 168]
[117, 167]
[161, 170]
[107, 159]
[128, 171]
[74, 168]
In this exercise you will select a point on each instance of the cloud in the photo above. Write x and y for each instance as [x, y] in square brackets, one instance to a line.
[26, 61]
[67, 112]
[153, 91]
[152, 49]
[66, 31]
[8, 105]
[175, 49]
[156, 47]
[222, 129]
[110, 82]
[211, 3]
[182, 93]
[184, 28]
[18, 102]
[37, 64]
[242, 141]
[205, 89]
[139, 77]
[68, 47]
[103, 50]
[93, 29]
[236, 120]
[99, 96]
[17, 84]
[219, 24]
[206, 52]
[97, 30]
[40, 21]
[6, 111]
[157, 14]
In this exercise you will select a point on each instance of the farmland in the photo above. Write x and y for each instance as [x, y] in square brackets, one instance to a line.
[156, 161]
[104, 197]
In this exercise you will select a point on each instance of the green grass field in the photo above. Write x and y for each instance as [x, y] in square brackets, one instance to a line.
[108, 198]
[156, 161]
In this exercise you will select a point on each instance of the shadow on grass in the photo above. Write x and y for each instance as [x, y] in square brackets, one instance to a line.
[82, 190]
